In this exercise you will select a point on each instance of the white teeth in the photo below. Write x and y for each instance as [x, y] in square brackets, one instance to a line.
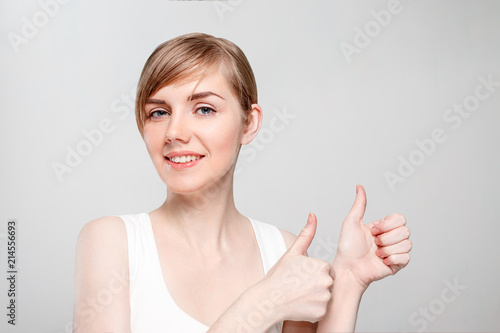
[184, 159]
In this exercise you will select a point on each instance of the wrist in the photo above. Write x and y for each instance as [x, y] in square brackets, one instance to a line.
[346, 282]
[343, 308]
[247, 314]
[263, 307]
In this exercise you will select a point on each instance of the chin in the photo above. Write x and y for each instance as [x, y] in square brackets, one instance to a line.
[176, 186]
[188, 186]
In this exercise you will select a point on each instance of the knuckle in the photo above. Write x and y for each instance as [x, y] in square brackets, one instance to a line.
[381, 239]
[401, 217]
[330, 282]
[407, 232]
[321, 312]
[327, 283]
[317, 312]
[324, 266]
[323, 298]
[409, 245]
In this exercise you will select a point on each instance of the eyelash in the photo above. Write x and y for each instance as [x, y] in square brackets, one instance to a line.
[205, 114]
[152, 112]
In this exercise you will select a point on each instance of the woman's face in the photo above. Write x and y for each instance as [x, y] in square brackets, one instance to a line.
[193, 132]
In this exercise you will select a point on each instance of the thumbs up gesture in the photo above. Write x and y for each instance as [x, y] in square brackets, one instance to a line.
[303, 284]
[370, 252]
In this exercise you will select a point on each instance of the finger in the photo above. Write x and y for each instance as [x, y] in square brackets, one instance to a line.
[388, 223]
[399, 248]
[397, 261]
[358, 208]
[301, 244]
[393, 236]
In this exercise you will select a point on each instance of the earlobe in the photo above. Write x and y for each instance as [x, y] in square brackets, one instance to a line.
[253, 124]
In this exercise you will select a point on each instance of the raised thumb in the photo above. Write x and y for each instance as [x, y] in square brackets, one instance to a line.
[301, 244]
[358, 208]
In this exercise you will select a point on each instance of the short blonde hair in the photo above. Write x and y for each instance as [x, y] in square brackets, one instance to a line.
[189, 57]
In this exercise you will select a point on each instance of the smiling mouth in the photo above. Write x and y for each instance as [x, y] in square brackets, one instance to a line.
[184, 158]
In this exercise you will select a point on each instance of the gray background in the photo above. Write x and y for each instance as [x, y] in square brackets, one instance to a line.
[353, 119]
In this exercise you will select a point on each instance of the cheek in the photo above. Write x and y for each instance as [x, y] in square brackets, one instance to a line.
[152, 141]
[226, 139]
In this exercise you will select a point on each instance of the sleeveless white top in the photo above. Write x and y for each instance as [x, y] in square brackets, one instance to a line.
[152, 309]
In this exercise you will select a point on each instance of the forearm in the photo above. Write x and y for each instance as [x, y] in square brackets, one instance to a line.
[253, 311]
[342, 311]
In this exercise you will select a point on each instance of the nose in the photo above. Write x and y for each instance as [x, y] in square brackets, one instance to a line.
[177, 128]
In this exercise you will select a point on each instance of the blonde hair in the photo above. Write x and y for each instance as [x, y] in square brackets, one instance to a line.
[189, 57]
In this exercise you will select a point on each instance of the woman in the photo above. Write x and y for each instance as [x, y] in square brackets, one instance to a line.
[195, 264]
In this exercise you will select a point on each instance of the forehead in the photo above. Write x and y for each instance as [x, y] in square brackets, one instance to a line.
[212, 81]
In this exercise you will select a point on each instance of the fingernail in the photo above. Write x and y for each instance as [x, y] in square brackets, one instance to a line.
[309, 219]
[375, 230]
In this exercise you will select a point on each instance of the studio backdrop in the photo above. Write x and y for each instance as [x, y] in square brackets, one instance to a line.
[400, 96]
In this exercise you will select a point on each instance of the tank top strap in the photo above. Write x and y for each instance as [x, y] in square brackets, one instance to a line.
[140, 239]
[271, 243]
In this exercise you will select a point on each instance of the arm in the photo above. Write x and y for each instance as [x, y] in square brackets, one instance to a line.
[343, 308]
[245, 315]
[101, 301]
[297, 288]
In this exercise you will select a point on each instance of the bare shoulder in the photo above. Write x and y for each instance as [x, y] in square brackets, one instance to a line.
[108, 228]
[100, 227]
[103, 240]
[289, 237]
[102, 243]
[101, 268]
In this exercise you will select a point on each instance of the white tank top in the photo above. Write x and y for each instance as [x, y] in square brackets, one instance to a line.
[152, 309]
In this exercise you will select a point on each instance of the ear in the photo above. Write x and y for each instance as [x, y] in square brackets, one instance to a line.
[253, 125]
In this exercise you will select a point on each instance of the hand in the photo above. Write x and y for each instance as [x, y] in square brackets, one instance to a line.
[301, 285]
[370, 252]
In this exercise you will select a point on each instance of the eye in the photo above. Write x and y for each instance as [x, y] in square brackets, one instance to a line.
[158, 113]
[205, 111]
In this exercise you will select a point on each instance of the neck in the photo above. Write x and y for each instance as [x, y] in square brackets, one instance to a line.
[203, 219]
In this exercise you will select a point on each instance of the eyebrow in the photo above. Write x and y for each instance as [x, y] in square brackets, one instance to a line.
[203, 94]
[155, 101]
[190, 98]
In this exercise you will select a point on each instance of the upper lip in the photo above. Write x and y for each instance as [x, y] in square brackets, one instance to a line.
[182, 153]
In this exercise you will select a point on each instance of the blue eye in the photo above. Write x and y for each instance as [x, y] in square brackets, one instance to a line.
[158, 113]
[205, 110]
